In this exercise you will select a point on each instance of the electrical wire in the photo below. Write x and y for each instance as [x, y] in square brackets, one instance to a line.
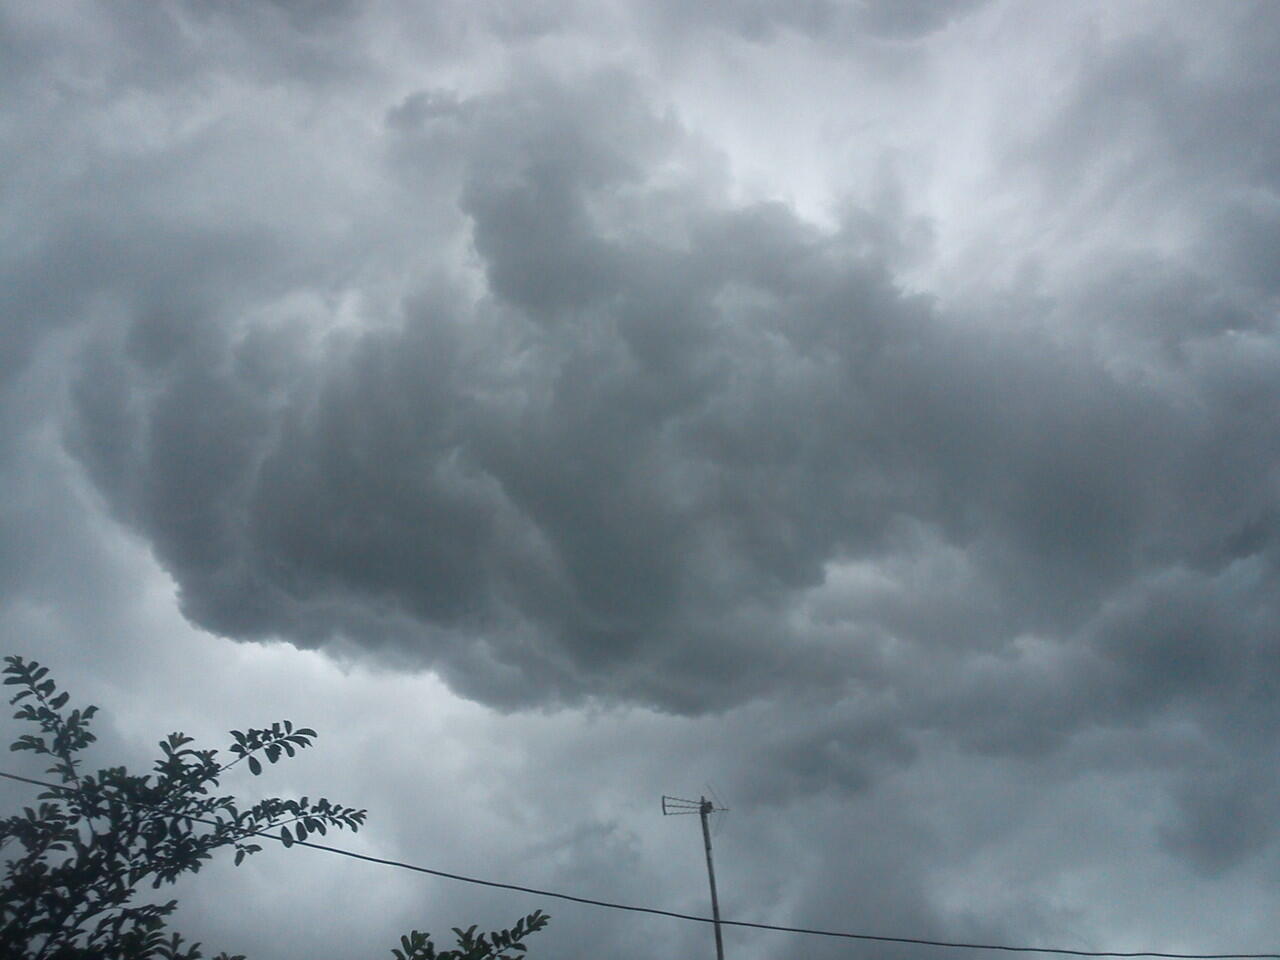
[747, 924]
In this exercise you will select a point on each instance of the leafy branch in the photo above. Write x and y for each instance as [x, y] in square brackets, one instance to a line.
[487, 946]
[80, 855]
[94, 839]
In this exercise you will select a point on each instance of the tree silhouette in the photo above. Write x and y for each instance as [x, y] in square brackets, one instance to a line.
[92, 842]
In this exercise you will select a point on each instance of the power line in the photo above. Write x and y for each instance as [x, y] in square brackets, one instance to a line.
[746, 924]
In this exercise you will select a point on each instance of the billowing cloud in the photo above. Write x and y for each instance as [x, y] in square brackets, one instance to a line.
[791, 382]
[632, 461]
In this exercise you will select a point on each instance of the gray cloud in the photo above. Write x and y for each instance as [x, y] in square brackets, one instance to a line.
[455, 341]
[840, 20]
[673, 416]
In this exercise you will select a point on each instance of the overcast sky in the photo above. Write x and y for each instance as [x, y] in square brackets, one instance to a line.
[869, 409]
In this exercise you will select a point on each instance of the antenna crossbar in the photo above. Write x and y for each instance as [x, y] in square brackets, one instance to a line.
[674, 806]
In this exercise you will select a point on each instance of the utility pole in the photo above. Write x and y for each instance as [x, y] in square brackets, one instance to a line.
[673, 806]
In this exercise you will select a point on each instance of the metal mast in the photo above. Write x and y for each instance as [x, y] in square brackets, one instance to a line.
[673, 806]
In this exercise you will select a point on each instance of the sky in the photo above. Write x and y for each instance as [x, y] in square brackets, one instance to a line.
[866, 411]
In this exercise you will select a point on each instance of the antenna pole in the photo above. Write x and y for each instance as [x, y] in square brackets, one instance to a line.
[674, 806]
[704, 810]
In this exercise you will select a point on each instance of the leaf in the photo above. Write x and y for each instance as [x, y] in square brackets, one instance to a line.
[254, 766]
[285, 838]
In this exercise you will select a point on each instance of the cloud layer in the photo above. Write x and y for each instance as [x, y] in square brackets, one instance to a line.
[889, 387]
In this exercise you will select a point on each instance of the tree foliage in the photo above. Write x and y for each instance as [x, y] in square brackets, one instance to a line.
[495, 945]
[71, 891]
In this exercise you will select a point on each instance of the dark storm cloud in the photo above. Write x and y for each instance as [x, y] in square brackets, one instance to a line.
[626, 471]
[500, 378]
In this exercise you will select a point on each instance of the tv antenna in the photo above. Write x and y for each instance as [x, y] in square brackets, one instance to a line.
[675, 806]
